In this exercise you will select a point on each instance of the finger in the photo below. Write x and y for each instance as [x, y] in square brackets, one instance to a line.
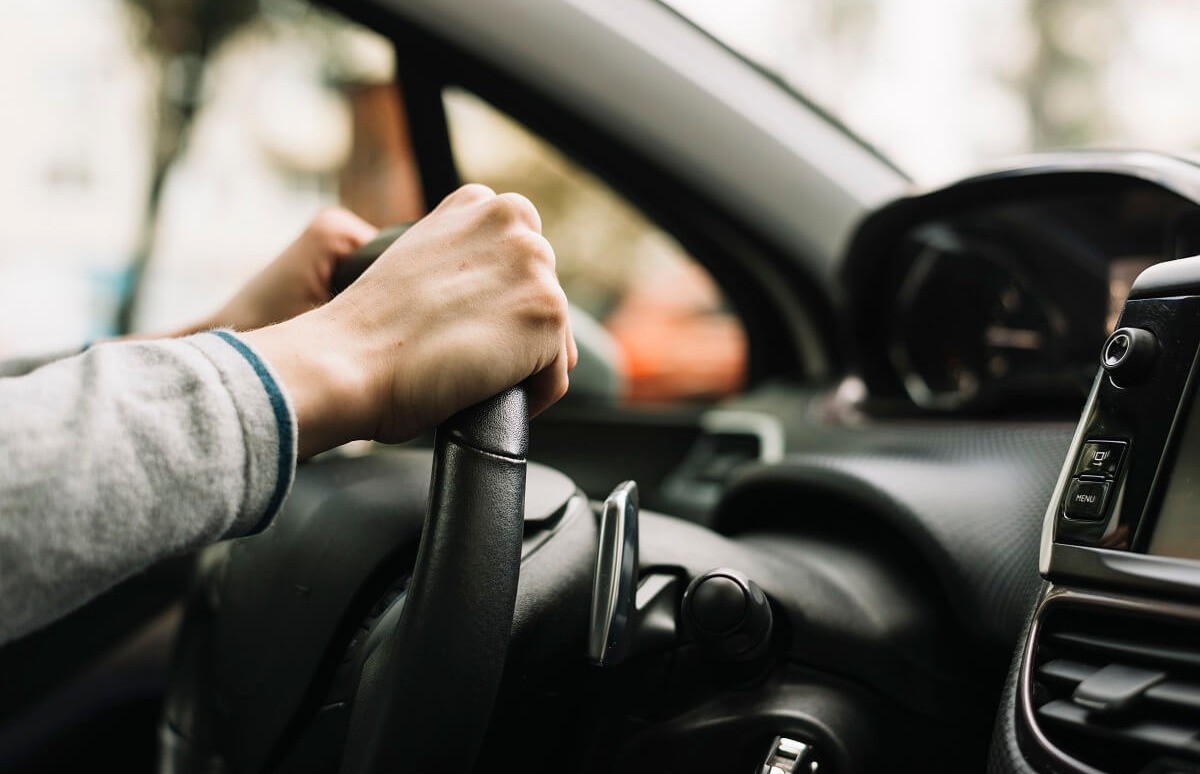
[572, 348]
[357, 230]
[341, 232]
[548, 385]
[523, 210]
[466, 195]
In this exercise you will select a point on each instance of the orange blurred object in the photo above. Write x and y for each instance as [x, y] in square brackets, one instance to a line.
[380, 180]
[678, 342]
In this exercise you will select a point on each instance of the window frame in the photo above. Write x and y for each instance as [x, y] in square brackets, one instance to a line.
[789, 321]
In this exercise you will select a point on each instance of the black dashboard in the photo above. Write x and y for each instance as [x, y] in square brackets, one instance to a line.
[1003, 311]
[1061, 291]
[992, 296]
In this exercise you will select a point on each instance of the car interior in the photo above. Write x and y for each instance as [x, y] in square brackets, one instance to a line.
[944, 521]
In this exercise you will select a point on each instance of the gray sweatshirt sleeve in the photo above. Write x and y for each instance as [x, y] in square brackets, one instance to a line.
[115, 458]
[19, 366]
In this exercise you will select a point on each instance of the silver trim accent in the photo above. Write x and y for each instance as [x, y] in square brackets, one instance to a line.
[1064, 477]
[614, 584]
[1135, 572]
[768, 429]
[789, 756]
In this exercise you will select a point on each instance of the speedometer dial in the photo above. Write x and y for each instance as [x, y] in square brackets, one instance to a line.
[991, 297]
[968, 326]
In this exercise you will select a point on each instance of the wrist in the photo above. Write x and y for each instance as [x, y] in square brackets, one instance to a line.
[323, 380]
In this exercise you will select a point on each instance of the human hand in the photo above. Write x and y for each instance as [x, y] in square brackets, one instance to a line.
[465, 304]
[295, 282]
[299, 278]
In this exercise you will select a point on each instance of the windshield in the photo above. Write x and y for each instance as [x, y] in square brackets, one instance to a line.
[942, 88]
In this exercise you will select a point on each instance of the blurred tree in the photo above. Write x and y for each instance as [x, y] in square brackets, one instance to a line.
[1064, 84]
[181, 35]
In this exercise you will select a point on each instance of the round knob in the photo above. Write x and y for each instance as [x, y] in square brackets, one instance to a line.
[1128, 354]
[727, 615]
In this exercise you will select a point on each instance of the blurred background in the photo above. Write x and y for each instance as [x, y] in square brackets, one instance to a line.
[941, 88]
[156, 153]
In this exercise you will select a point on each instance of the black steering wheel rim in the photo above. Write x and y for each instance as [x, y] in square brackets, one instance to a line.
[437, 672]
[281, 663]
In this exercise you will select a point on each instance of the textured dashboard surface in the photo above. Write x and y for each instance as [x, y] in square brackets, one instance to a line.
[1005, 756]
[967, 500]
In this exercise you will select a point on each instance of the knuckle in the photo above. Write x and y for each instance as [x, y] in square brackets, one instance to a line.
[500, 210]
[518, 207]
[531, 248]
[472, 192]
[551, 303]
[543, 307]
[532, 252]
[510, 210]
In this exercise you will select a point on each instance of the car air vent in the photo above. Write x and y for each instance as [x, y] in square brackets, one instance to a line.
[728, 440]
[1118, 691]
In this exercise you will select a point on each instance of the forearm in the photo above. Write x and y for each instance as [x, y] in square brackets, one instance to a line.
[124, 455]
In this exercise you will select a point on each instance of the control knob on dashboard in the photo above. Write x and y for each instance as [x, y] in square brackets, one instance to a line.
[727, 614]
[1128, 354]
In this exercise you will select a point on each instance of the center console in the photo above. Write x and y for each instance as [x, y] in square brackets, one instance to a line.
[1109, 678]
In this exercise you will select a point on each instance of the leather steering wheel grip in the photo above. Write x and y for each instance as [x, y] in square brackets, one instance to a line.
[426, 693]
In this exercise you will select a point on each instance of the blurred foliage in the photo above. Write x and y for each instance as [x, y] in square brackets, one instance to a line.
[181, 35]
[180, 27]
[1064, 85]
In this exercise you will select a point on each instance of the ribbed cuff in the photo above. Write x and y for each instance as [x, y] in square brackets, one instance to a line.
[268, 427]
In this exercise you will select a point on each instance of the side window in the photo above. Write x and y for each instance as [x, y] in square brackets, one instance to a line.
[150, 174]
[300, 113]
[652, 325]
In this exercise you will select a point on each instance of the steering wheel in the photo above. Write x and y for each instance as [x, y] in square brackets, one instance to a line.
[449, 645]
[263, 635]
[298, 652]
[468, 561]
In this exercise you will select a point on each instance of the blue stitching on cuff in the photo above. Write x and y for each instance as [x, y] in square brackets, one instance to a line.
[282, 418]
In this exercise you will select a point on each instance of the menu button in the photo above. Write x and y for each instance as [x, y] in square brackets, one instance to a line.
[1086, 500]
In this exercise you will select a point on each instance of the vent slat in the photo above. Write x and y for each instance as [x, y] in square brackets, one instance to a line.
[1161, 736]
[1162, 655]
[1067, 671]
[1118, 691]
[1176, 694]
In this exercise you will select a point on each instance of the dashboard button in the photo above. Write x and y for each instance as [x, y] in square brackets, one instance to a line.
[1086, 500]
[1100, 458]
[1128, 354]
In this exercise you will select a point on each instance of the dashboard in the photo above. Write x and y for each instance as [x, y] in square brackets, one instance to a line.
[992, 296]
[1064, 292]
[1108, 674]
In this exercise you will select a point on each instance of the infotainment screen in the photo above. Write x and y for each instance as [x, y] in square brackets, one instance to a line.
[1177, 531]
